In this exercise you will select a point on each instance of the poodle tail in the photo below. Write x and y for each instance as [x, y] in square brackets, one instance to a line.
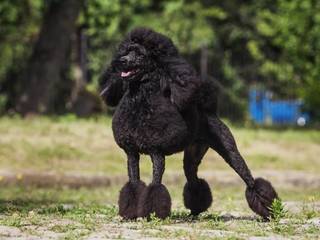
[208, 95]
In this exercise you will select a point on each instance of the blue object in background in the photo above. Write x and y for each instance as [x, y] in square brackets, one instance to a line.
[263, 110]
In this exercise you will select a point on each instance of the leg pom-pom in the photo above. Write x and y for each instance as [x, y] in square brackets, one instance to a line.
[128, 199]
[155, 199]
[260, 197]
[197, 196]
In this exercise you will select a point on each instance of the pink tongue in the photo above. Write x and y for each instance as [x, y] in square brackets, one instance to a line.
[125, 74]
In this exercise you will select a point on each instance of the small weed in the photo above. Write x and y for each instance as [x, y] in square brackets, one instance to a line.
[152, 221]
[277, 213]
[277, 210]
[155, 220]
[308, 212]
[308, 208]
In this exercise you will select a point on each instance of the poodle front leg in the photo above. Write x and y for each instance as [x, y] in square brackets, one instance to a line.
[155, 198]
[259, 193]
[130, 192]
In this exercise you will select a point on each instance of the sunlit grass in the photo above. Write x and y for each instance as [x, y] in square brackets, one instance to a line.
[87, 145]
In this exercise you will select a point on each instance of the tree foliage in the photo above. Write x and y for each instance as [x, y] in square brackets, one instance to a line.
[294, 29]
[274, 44]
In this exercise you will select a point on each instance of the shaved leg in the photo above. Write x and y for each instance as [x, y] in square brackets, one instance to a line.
[193, 155]
[129, 194]
[222, 141]
[155, 198]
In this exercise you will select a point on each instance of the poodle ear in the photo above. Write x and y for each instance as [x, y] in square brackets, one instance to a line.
[181, 82]
[112, 87]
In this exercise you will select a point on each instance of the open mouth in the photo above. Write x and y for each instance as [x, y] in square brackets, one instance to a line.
[128, 73]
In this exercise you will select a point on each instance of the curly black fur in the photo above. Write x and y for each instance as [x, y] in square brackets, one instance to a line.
[128, 199]
[197, 196]
[155, 199]
[260, 197]
[163, 107]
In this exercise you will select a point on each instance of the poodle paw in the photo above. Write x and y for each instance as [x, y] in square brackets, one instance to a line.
[128, 199]
[260, 197]
[197, 196]
[155, 199]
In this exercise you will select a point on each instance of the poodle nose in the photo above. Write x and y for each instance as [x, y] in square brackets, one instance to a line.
[127, 58]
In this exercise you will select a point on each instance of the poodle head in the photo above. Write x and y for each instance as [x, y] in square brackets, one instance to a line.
[141, 52]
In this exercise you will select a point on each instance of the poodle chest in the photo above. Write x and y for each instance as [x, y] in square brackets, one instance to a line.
[148, 125]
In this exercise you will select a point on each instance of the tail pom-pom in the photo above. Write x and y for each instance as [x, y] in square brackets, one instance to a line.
[260, 197]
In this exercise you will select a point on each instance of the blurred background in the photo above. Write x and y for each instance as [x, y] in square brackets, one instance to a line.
[52, 52]
[60, 169]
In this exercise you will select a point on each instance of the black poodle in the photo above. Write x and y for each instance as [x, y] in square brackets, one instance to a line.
[163, 107]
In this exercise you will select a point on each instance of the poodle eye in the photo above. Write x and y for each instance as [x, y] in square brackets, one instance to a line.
[137, 49]
[133, 49]
[122, 52]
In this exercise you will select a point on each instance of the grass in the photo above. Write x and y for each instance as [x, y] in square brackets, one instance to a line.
[66, 145]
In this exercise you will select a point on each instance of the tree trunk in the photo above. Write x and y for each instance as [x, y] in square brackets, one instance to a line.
[46, 68]
[204, 62]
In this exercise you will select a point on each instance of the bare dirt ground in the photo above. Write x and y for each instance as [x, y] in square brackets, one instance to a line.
[290, 178]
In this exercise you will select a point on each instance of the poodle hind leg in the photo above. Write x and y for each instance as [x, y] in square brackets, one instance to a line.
[196, 193]
[155, 198]
[130, 192]
[259, 193]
